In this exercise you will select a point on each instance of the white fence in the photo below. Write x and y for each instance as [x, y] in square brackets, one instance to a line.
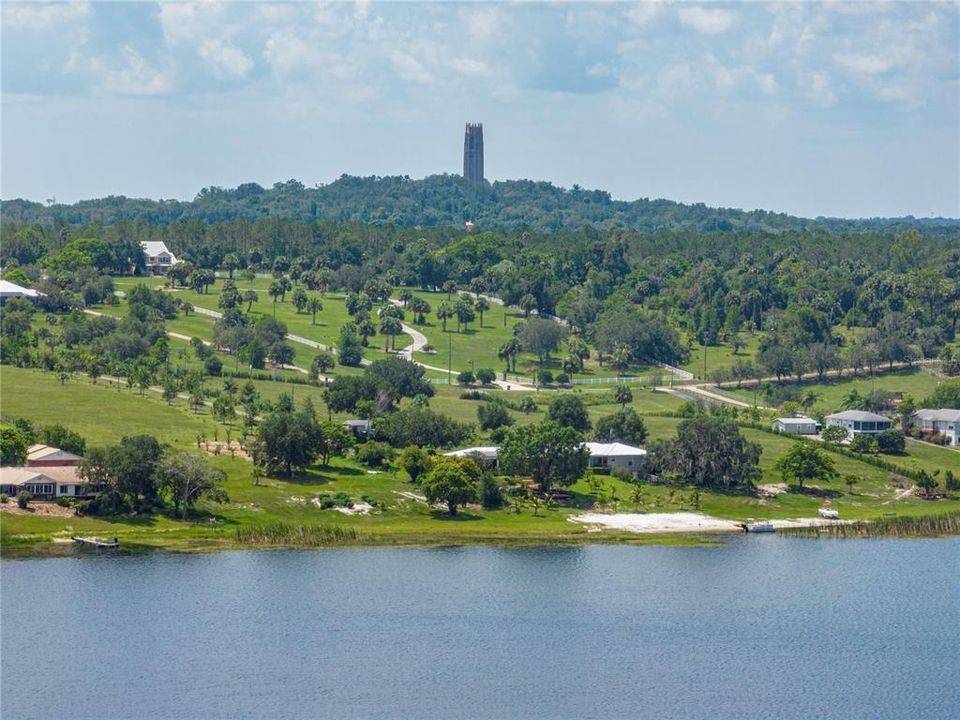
[294, 338]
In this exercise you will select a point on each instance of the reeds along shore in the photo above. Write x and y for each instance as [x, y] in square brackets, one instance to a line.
[926, 526]
[292, 535]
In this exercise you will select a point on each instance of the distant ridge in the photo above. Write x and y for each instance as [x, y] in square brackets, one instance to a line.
[447, 200]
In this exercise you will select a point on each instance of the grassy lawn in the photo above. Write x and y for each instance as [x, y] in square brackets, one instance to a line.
[832, 391]
[720, 356]
[103, 415]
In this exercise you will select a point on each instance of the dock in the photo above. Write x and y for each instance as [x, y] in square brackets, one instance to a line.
[97, 542]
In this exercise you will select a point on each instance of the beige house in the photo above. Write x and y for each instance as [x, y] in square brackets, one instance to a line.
[48, 483]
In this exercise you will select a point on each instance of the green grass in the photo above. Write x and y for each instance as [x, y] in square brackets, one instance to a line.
[103, 415]
[832, 391]
[720, 356]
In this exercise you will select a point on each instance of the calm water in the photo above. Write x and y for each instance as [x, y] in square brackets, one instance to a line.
[765, 627]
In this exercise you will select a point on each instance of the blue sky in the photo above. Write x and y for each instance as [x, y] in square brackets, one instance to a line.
[847, 109]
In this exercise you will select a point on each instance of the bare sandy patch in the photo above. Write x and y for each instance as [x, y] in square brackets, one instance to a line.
[46, 509]
[772, 489]
[657, 522]
[357, 509]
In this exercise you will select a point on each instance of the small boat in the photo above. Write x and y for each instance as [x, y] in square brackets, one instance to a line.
[97, 542]
[760, 527]
[828, 513]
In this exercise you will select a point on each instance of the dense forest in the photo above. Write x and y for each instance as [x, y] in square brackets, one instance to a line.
[448, 201]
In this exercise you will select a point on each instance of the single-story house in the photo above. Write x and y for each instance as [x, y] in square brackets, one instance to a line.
[615, 455]
[46, 456]
[158, 258]
[796, 426]
[860, 422]
[12, 290]
[361, 429]
[945, 421]
[485, 456]
[44, 483]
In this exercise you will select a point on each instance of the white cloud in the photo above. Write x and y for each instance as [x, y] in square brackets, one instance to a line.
[225, 60]
[644, 13]
[818, 87]
[863, 63]
[599, 70]
[767, 82]
[40, 16]
[469, 66]
[710, 21]
[133, 76]
[676, 78]
[484, 22]
[410, 69]
[190, 21]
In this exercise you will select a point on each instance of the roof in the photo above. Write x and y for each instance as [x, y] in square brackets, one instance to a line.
[487, 451]
[858, 415]
[796, 421]
[357, 423]
[155, 247]
[65, 474]
[45, 452]
[942, 415]
[9, 289]
[613, 449]
[18, 475]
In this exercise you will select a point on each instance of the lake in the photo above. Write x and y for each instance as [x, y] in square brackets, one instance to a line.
[763, 626]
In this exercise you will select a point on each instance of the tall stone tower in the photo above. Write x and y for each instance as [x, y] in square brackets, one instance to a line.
[473, 152]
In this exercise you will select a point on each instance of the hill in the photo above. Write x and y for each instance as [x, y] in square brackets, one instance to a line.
[448, 201]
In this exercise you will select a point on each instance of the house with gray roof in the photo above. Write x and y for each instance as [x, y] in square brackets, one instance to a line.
[157, 257]
[945, 421]
[859, 422]
[795, 426]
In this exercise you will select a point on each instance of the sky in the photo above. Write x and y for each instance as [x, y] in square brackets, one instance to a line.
[838, 109]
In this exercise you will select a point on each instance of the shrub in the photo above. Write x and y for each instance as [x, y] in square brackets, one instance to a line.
[891, 442]
[213, 366]
[465, 378]
[374, 453]
[63, 502]
[951, 481]
[4, 499]
[493, 415]
[23, 499]
[621, 473]
[863, 444]
[491, 494]
[544, 377]
[486, 375]
[473, 395]
[562, 378]
[835, 434]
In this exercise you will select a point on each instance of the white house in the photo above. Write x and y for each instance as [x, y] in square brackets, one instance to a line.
[945, 421]
[795, 426]
[12, 290]
[615, 455]
[860, 422]
[158, 258]
[485, 455]
[46, 483]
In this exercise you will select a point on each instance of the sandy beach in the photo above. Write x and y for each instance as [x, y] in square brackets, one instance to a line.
[679, 522]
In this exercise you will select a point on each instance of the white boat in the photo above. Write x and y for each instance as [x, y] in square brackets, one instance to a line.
[828, 513]
[760, 527]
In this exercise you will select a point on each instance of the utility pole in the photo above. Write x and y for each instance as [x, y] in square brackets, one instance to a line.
[449, 359]
[704, 363]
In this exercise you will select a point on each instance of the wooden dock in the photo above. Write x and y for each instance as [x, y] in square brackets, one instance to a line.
[97, 542]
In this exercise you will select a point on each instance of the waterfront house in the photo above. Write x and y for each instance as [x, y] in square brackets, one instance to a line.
[158, 259]
[615, 455]
[47, 483]
[47, 456]
[945, 421]
[860, 422]
[795, 426]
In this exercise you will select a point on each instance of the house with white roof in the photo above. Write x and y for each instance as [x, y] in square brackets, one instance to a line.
[945, 421]
[615, 455]
[12, 290]
[158, 258]
[485, 455]
[860, 422]
[795, 426]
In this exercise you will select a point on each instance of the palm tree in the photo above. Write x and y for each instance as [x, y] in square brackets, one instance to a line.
[250, 297]
[528, 303]
[275, 291]
[620, 358]
[314, 306]
[444, 311]
[809, 399]
[622, 395]
[853, 400]
[285, 285]
[405, 297]
[391, 327]
[481, 306]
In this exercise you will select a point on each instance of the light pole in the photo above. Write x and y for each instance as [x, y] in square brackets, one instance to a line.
[449, 359]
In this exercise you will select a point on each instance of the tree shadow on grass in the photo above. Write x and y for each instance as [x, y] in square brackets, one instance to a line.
[814, 491]
[579, 500]
[459, 517]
